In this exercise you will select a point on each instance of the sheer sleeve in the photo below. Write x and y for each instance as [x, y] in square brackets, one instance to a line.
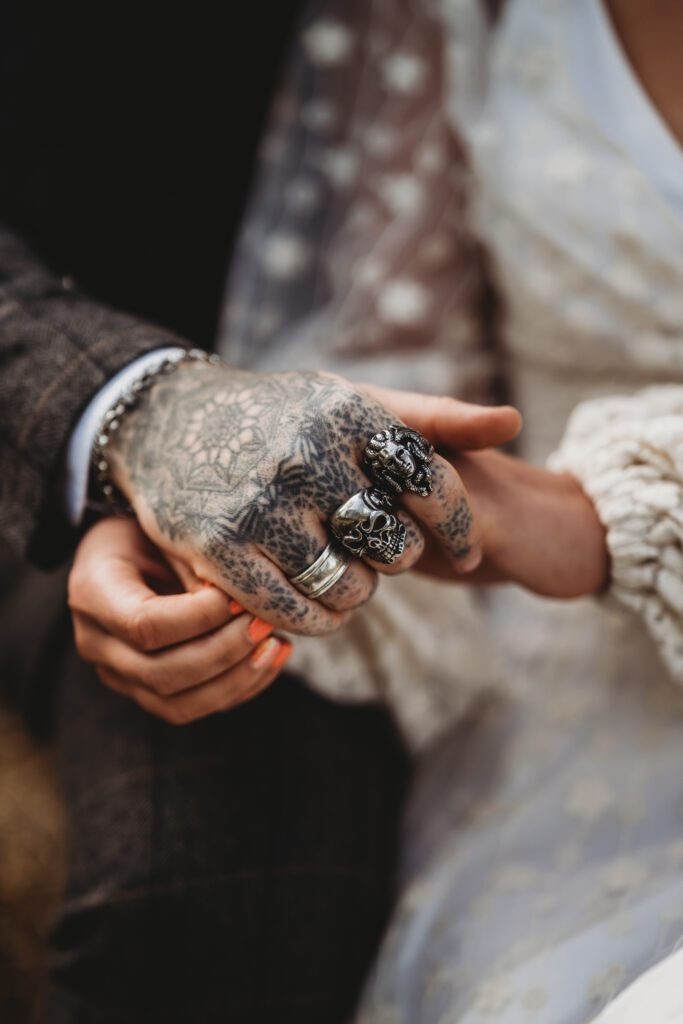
[355, 255]
[627, 452]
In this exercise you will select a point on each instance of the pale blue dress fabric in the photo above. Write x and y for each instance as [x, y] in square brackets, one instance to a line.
[543, 864]
[543, 847]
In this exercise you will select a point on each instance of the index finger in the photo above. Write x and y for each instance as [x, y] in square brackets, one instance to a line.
[448, 422]
[118, 598]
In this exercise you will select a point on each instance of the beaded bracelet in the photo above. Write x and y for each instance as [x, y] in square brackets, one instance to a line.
[114, 501]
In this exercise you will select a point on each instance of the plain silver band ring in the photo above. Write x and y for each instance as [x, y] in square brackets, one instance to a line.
[321, 575]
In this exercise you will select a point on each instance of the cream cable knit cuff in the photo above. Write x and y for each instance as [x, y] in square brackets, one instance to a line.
[627, 453]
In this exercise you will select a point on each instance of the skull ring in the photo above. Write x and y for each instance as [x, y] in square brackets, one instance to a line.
[398, 458]
[367, 526]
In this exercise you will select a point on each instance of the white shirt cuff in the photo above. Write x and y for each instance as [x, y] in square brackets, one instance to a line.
[80, 447]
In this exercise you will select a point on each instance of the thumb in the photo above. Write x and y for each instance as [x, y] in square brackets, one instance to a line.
[186, 574]
[447, 422]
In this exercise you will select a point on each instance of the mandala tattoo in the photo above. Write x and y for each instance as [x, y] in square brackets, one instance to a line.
[238, 465]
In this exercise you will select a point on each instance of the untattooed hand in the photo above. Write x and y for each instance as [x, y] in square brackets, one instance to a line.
[235, 475]
[538, 529]
[179, 655]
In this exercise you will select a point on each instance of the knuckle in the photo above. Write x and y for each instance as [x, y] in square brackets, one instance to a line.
[175, 714]
[206, 620]
[141, 629]
[352, 591]
[160, 682]
[76, 588]
[233, 696]
[143, 671]
[80, 637]
[185, 714]
[109, 679]
[319, 622]
[104, 676]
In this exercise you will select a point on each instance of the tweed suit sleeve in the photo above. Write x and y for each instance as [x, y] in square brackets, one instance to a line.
[57, 349]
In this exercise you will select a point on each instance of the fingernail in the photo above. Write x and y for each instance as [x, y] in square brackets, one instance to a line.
[283, 654]
[259, 630]
[235, 608]
[265, 653]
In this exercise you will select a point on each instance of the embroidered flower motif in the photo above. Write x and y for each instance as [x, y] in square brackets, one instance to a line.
[431, 159]
[495, 995]
[285, 256]
[567, 166]
[369, 272]
[403, 302]
[605, 985]
[328, 42]
[403, 193]
[404, 72]
[340, 165]
[380, 140]
[588, 800]
[533, 67]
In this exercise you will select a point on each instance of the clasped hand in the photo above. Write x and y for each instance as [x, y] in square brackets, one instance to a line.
[233, 476]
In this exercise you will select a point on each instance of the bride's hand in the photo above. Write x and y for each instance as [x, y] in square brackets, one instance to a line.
[539, 529]
[180, 652]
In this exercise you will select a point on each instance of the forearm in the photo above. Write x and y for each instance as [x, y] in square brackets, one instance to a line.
[57, 349]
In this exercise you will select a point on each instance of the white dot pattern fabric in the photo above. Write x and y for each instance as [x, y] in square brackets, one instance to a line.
[543, 861]
[355, 258]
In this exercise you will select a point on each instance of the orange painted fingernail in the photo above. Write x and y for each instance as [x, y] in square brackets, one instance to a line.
[283, 654]
[259, 630]
[265, 653]
[235, 608]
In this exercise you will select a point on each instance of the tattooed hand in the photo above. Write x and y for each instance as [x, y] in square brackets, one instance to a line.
[235, 474]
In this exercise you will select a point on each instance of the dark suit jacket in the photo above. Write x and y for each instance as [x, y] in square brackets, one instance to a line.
[127, 137]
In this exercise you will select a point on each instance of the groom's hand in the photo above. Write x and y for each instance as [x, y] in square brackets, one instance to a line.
[236, 474]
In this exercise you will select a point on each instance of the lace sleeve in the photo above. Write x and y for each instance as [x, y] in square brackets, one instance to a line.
[355, 255]
[627, 452]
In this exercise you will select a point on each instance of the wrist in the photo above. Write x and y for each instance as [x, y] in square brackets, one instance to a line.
[111, 481]
[560, 539]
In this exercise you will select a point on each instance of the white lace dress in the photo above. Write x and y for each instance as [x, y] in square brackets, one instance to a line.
[543, 856]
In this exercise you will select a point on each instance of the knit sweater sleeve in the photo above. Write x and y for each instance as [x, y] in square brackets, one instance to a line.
[627, 453]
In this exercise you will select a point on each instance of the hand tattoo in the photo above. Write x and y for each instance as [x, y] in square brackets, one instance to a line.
[241, 467]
